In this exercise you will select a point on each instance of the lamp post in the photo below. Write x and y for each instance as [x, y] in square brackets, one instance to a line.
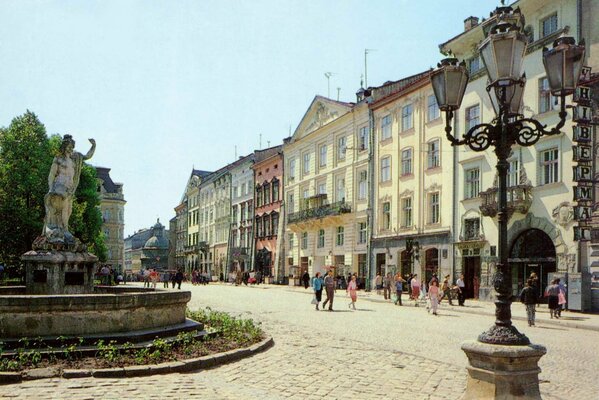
[503, 52]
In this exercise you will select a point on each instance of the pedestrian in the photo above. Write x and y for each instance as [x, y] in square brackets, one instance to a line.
[409, 282]
[446, 289]
[529, 297]
[194, 277]
[535, 284]
[317, 287]
[306, 279]
[378, 282]
[387, 286]
[146, 277]
[398, 288]
[561, 298]
[433, 296]
[352, 290]
[329, 285]
[153, 278]
[105, 272]
[461, 290]
[165, 280]
[179, 278]
[552, 293]
[173, 279]
[415, 285]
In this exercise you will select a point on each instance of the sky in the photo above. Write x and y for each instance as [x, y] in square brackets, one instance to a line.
[167, 86]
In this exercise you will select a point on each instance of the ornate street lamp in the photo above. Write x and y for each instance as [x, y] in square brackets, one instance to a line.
[502, 53]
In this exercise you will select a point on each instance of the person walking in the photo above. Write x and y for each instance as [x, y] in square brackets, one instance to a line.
[154, 278]
[415, 285]
[561, 298]
[378, 282]
[387, 286]
[433, 296]
[352, 290]
[317, 286]
[329, 285]
[446, 289]
[552, 293]
[306, 279]
[535, 284]
[461, 290]
[179, 278]
[409, 282]
[398, 288]
[529, 297]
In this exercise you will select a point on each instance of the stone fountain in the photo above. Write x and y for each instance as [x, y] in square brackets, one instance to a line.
[59, 298]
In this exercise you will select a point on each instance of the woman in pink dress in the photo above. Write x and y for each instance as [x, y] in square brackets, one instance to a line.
[415, 284]
[433, 295]
[352, 290]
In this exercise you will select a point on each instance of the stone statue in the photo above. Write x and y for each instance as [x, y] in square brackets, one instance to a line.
[62, 183]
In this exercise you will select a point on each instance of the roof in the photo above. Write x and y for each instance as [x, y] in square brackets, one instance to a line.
[109, 185]
[391, 90]
[200, 173]
[265, 154]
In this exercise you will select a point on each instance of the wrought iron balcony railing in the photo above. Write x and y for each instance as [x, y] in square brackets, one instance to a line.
[322, 211]
[519, 199]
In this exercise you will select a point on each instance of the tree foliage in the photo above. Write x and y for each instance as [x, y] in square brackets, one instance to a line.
[26, 154]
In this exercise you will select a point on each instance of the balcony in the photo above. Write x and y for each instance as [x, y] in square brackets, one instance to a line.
[189, 249]
[240, 253]
[519, 199]
[319, 211]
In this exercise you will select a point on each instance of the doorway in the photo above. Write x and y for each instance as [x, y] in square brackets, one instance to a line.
[471, 272]
[532, 251]
[380, 264]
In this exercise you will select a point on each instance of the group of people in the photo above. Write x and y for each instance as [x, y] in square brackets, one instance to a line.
[199, 278]
[108, 275]
[555, 293]
[151, 277]
[248, 277]
[329, 284]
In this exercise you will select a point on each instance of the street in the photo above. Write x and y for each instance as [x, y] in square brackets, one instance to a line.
[380, 351]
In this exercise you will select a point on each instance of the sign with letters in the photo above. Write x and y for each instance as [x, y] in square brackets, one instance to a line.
[583, 155]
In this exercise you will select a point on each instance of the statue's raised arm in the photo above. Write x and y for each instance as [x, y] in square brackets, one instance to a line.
[91, 151]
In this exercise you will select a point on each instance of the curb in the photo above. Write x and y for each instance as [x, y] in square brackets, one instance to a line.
[183, 366]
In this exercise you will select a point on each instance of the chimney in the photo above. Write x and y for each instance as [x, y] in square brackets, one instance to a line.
[470, 23]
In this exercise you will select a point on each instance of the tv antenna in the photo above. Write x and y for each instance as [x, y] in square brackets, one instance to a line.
[328, 76]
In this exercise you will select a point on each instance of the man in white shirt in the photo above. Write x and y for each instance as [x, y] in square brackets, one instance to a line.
[461, 289]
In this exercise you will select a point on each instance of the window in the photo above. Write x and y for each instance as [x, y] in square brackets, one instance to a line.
[243, 206]
[386, 215]
[406, 162]
[472, 229]
[474, 65]
[434, 212]
[290, 203]
[513, 174]
[275, 224]
[341, 147]
[362, 185]
[304, 240]
[549, 168]
[361, 232]
[433, 159]
[320, 243]
[406, 117]
[363, 138]
[386, 127]
[547, 101]
[406, 212]
[234, 219]
[322, 188]
[306, 167]
[322, 161]
[340, 194]
[290, 240]
[340, 236]
[433, 108]
[472, 116]
[259, 227]
[275, 190]
[292, 169]
[549, 25]
[267, 225]
[472, 184]
[266, 194]
[243, 192]
[386, 169]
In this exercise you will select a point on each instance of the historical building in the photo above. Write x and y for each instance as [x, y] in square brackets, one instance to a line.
[412, 180]
[541, 197]
[191, 199]
[268, 196]
[326, 180]
[112, 206]
[180, 234]
[147, 248]
[172, 242]
[241, 234]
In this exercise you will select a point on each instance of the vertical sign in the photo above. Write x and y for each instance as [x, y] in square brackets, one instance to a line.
[583, 155]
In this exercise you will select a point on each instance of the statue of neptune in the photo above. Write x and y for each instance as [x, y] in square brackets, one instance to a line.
[62, 183]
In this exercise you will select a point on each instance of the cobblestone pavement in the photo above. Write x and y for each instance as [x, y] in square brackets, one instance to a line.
[380, 351]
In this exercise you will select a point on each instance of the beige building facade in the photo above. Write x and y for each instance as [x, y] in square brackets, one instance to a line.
[112, 206]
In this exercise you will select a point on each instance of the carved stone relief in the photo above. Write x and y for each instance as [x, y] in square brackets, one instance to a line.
[563, 214]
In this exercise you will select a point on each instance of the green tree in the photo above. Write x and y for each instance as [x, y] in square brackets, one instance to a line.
[25, 159]
[86, 219]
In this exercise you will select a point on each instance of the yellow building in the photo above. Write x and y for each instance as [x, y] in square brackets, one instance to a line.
[541, 197]
[188, 215]
[326, 189]
[112, 206]
[412, 180]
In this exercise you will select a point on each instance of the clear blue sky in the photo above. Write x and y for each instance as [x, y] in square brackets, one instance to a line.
[166, 85]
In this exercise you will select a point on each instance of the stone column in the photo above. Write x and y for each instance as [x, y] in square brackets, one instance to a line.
[502, 372]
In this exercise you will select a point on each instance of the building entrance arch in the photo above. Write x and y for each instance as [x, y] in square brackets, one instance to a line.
[531, 251]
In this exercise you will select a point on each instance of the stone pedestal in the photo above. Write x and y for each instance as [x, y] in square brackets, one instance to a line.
[502, 372]
[59, 272]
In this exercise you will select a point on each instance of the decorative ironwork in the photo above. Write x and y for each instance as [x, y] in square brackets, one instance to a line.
[519, 199]
[325, 210]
